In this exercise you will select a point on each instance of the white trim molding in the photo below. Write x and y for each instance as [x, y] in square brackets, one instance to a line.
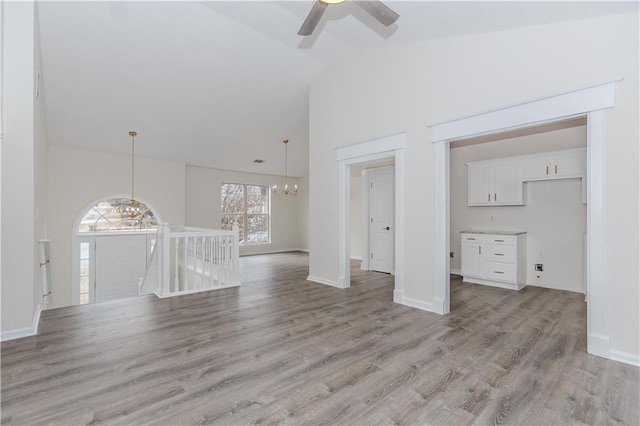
[375, 146]
[363, 152]
[269, 251]
[419, 304]
[324, 281]
[23, 332]
[534, 112]
[591, 102]
[625, 357]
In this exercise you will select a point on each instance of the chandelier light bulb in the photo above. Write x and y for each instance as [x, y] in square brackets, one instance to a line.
[285, 190]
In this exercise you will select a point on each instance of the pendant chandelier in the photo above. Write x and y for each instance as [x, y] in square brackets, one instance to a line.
[285, 190]
[131, 210]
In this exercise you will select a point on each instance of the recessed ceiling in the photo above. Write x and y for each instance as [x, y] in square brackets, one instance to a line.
[223, 83]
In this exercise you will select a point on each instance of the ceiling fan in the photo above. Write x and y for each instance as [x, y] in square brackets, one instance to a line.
[381, 12]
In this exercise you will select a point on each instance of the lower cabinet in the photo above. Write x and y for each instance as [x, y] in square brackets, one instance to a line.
[494, 259]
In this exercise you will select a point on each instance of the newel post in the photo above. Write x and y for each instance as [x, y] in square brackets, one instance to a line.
[166, 258]
[236, 253]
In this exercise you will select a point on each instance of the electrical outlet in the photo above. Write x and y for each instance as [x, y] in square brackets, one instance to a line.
[538, 267]
[451, 254]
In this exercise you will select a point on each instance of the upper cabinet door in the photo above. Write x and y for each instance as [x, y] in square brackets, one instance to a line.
[556, 165]
[478, 189]
[570, 164]
[507, 183]
[537, 168]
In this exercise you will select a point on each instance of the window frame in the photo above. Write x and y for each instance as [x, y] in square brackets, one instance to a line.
[245, 214]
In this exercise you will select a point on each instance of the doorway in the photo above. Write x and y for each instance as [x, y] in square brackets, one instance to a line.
[591, 102]
[372, 210]
[390, 149]
[549, 211]
[380, 218]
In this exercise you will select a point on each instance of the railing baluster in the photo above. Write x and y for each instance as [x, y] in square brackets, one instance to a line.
[202, 266]
[176, 267]
[202, 259]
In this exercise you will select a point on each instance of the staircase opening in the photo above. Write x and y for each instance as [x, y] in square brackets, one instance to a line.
[111, 251]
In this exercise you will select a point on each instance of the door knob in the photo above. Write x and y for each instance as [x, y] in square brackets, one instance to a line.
[387, 228]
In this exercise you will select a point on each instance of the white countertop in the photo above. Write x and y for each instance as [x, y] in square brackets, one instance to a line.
[493, 232]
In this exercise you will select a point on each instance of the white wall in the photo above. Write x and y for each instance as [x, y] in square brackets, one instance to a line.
[79, 178]
[23, 145]
[303, 214]
[405, 88]
[554, 216]
[203, 206]
[41, 163]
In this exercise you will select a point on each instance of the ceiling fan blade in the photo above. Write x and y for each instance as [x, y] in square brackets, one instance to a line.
[383, 13]
[313, 18]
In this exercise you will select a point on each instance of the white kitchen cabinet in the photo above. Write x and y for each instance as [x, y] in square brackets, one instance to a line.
[495, 183]
[471, 255]
[479, 190]
[494, 259]
[500, 182]
[564, 164]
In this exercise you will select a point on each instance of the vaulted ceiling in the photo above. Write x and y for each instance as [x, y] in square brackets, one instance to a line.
[222, 83]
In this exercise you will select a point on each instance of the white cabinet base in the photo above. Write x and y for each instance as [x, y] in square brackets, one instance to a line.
[510, 286]
[494, 259]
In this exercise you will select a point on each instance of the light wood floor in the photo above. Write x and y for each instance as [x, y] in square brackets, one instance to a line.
[283, 350]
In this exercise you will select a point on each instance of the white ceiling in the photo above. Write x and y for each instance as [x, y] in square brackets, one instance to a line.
[222, 83]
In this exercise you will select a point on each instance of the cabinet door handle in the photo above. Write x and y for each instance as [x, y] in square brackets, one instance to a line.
[547, 170]
[479, 249]
[495, 197]
[489, 197]
[499, 241]
[556, 169]
[498, 272]
[471, 239]
[498, 254]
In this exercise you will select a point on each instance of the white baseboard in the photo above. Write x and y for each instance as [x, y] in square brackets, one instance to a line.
[455, 271]
[438, 305]
[498, 284]
[356, 258]
[415, 303]
[398, 295]
[324, 281]
[624, 357]
[302, 250]
[23, 332]
[598, 345]
[270, 251]
[162, 295]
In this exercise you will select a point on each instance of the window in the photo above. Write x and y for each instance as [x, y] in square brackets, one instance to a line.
[249, 206]
[84, 273]
[105, 216]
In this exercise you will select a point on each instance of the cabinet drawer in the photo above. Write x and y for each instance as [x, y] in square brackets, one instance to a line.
[502, 240]
[501, 271]
[504, 253]
[472, 238]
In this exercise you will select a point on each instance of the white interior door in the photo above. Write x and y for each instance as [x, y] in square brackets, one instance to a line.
[381, 219]
[120, 261]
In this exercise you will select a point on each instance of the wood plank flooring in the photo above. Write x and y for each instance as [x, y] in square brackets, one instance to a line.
[282, 350]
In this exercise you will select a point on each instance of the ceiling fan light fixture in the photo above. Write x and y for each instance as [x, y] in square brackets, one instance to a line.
[378, 10]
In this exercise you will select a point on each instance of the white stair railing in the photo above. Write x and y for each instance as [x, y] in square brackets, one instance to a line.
[147, 284]
[192, 260]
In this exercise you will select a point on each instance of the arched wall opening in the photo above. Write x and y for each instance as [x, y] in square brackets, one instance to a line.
[111, 248]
